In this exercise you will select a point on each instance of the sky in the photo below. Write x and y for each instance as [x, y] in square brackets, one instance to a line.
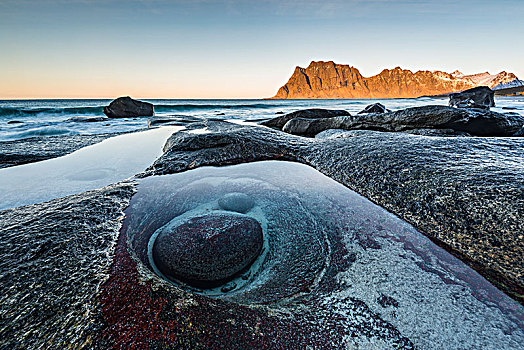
[240, 49]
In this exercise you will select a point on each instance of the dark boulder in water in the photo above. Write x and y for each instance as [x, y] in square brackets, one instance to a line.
[472, 121]
[124, 107]
[313, 113]
[206, 251]
[374, 108]
[477, 97]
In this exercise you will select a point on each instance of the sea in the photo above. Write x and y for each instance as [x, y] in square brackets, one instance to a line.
[21, 119]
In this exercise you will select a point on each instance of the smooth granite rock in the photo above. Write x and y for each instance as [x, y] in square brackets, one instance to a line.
[477, 97]
[208, 250]
[124, 107]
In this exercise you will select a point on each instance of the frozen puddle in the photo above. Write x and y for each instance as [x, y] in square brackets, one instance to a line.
[326, 251]
[92, 167]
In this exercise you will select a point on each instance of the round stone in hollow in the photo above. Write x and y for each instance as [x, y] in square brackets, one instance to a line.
[235, 201]
[209, 250]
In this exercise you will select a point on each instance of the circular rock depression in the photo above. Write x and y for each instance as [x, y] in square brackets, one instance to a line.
[209, 250]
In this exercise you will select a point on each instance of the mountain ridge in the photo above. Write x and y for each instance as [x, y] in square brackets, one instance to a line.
[328, 80]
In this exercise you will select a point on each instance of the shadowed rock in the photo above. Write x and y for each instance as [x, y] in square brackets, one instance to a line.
[124, 107]
[40, 148]
[87, 119]
[477, 97]
[313, 113]
[172, 120]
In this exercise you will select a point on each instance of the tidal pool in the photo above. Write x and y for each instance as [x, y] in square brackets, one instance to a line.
[342, 268]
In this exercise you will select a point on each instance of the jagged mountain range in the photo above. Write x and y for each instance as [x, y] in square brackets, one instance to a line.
[330, 80]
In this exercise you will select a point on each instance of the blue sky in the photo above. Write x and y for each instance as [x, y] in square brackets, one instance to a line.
[240, 49]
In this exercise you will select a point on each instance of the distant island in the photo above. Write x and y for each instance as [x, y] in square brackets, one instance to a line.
[328, 80]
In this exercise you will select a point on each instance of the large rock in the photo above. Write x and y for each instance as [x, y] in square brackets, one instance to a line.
[374, 108]
[313, 113]
[208, 250]
[472, 121]
[124, 107]
[477, 97]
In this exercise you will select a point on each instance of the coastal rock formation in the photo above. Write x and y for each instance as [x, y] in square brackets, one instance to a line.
[124, 107]
[472, 121]
[342, 271]
[330, 80]
[477, 97]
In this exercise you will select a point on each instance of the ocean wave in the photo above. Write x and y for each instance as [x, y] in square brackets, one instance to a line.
[42, 131]
[188, 107]
[98, 110]
[20, 112]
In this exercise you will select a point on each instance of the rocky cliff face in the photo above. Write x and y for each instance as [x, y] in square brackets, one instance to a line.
[331, 80]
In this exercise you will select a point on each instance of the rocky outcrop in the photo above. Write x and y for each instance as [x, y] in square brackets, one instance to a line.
[124, 107]
[439, 184]
[477, 97]
[313, 113]
[471, 121]
[36, 149]
[330, 80]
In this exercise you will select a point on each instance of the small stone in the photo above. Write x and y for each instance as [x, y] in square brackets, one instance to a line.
[228, 287]
[239, 202]
[208, 250]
